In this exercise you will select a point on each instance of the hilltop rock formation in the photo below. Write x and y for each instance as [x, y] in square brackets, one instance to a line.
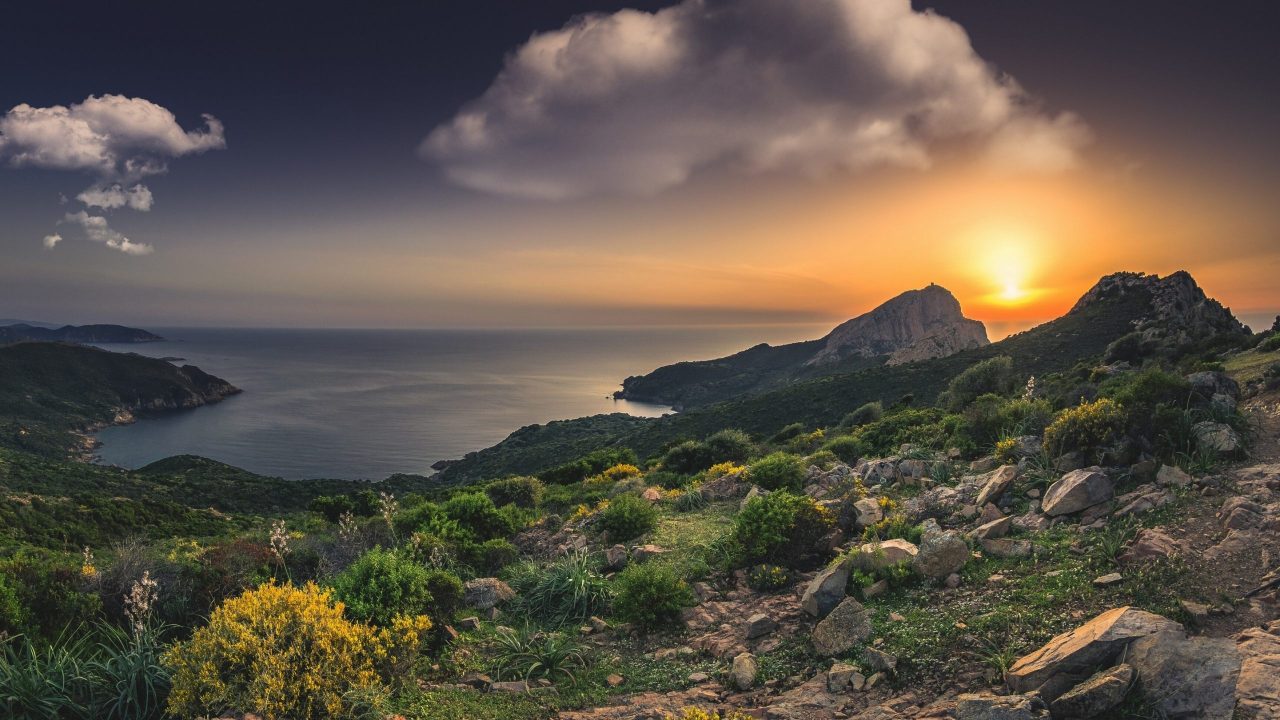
[916, 325]
[1179, 309]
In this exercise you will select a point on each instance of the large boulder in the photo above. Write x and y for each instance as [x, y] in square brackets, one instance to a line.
[878, 555]
[743, 672]
[1187, 677]
[940, 554]
[486, 593]
[1094, 696]
[827, 588]
[1074, 656]
[995, 707]
[999, 482]
[846, 626]
[1076, 491]
[867, 512]
[1218, 437]
[1209, 383]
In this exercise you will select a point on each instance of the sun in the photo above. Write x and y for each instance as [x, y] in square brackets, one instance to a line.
[1006, 257]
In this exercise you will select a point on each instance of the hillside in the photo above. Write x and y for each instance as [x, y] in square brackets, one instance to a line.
[22, 332]
[49, 391]
[1117, 306]
[916, 325]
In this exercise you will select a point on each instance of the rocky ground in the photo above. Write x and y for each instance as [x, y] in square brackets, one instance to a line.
[1206, 550]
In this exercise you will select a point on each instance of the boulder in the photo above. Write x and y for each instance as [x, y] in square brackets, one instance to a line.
[1187, 677]
[759, 625]
[912, 470]
[940, 554]
[1072, 657]
[879, 661]
[1007, 548]
[867, 512]
[1172, 475]
[995, 707]
[1000, 481]
[1218, 437]
[1209, 383]
[827, 588]
[615, 558]
[743, 672]
[1073, 460]
[881, 471]
[983, 464]
[1076, 491]
[1094, 696]
[1150, 544]
[843, 677]
[994, 529]
[846, 626]
[640, 553]
[874, 556]
[486, 593]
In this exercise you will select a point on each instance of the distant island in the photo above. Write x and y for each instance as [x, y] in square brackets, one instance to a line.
[27, 332]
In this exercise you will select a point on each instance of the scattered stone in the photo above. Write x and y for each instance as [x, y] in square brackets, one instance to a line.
[1000, 481]
[1198, 612]
[940, 554]
[841, 677]
[486, 593]
[994, 529]
[952, 581]
[827, 588]
[876, 556]
[1141, 499]
[698, 677]
[1094, 696]
[995, 707]
[982, 465]
[1072, 657]
[1077, 490]
[1073, 460]
[846, 626]
[1108, 580]
[1217, 437]
[1187, 677]
[1007, 548]
[875, 589]
[640, 553]
[469, 623]
[614, 680]
[652, 494]
[1172, 475]
[743, 672]
[867, 512]
[515, 686]
[615, 558]
[897, 617]
[759, 625]
[1150, 544]
[597, 624]
[879, 661]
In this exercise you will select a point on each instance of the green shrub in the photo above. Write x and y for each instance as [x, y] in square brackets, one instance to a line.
[332, 507]
[1086, 427]
[382, 584]
[491, 556]
[993, 375]
[927, 427]
[729, 446]
[1270, 344]
[1129, 348]
[665, 479]
[475, 512]
[765, 577]
[532, 655]
[49, 588]
[990, 417]
[650, 595]
[844, 447]
[782, 529]
[525, 492]
[590, 464]
[777, 471]
[788, 432]
[688, 457]
[628, 517]
[867, 413]
[570, 589]
[13, 616]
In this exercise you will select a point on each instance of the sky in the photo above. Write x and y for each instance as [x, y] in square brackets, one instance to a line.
[499, 163]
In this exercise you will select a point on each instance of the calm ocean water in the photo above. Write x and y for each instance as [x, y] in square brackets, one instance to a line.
[363, 404]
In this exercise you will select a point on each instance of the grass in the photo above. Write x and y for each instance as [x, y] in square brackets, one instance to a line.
[1250, 365]
[691, 537]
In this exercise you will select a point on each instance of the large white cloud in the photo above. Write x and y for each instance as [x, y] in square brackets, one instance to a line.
[637, 102]
[112, 135]
[98, 230]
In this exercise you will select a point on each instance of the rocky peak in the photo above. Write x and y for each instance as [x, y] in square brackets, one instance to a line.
[1179, 308]
[916, 325]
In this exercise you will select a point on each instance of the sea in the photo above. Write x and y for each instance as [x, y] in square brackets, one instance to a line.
[365, 404]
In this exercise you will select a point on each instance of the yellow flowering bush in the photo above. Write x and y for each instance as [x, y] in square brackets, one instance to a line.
[1087, 426]
[724, 468]
[621, 471]
[584, 511]
[286, 652]
[693, 713]
[1005, 451]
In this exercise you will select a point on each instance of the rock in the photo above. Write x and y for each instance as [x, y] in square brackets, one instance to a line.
[952, 581]
[1209, 383]
[1001, 480]
[1241, 513]
[847, 625]
[479, 681]
[698, 677]
[597, 624]
[1094, 696]
[1006, 548]
[1187, 677]
[1198, 612]
[994, 707]
[881, 471]
[1031, 521]
[1141, 499]
[1108, 580]
[912, 470]
[841, 677]
[867, 512]
[940, 554]
[519, 686]
[640, 553]
[875, 589]
[875, 556]
[1077, 490]
[1150, 544]
[752, 494]
[1172, 475]
[652, 494]
[614, 680]
[982, 465]
[1073, 460]
[469, 623]
[1070, 658]
[1258, 687]
[759, 625]
[827, 588]
[1217, 437]
[994, 529]
[879, 661]
[615, 558]
[742, 674]
[486, 593]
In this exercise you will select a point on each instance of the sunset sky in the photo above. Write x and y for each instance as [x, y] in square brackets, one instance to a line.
[554, 163]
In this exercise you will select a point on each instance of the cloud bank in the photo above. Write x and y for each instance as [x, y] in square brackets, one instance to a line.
[121, 140]
[635, 102]
[97, 229]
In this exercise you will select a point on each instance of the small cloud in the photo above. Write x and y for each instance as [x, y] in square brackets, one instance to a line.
[51, 241]
[97, 230]
[636, 102]
[115, 196]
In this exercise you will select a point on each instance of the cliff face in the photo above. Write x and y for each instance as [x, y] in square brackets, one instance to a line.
[916, 325]
[1180, 310]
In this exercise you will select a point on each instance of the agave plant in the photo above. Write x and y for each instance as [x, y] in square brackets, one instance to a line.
[534, 655]
[570, 589]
